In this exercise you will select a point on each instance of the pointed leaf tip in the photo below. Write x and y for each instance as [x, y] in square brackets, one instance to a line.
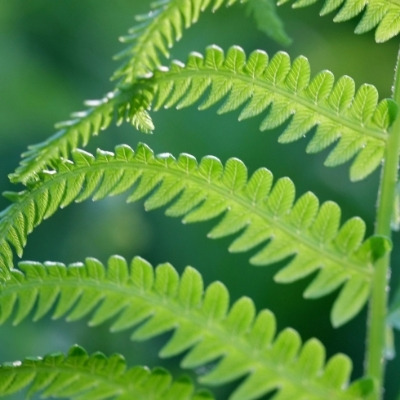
[376, 247]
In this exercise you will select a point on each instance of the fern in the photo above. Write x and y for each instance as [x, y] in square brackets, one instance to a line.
[128, 105]
[157, 31]
[357, 122]
[305, 230]
[220, 342]
[80, 376]
[203, 323]
[265, 15]
[382, 15]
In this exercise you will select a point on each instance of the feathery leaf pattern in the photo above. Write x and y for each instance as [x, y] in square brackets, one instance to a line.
[153, 301]
[128, 105]
[283, 90]
[157, 31]
[355, 121]
[263, 213]
[384, 15]
[81, 376]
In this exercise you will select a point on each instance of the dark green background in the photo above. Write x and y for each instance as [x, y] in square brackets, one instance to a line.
[55, 54]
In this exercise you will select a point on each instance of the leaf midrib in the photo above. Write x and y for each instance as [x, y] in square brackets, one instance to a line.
[185, 74]
[103, 378]
[365, 270]
[192, 316]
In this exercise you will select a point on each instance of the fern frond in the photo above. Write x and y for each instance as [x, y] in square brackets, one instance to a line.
[204, 325]
[357, 122]
[283, 91]
[157, 31]
[128, 104]
[80, 376]
[309, 233]
[382, 15]
[267, 20]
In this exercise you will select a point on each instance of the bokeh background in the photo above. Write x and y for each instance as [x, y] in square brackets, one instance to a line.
[56, 54]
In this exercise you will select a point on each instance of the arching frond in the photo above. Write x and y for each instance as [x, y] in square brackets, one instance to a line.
[284, 91]
[80, 376]
[157, 31]
[267, 20]
[242, 342]
[263, 213]
[382, 15]
[357, 122]
[129, 105]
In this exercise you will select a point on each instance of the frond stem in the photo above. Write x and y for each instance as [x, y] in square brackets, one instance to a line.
[375, 359]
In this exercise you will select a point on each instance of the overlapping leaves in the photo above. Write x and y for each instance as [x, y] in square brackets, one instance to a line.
[382, 15]
[308, 235]
[128, 105]
[354, 123]
[80, 376]
[155, 33]
[283, 90]
[239, 342]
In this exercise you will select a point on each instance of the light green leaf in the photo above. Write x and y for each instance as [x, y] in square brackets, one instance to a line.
[157, 31]
[282, 91]
[78, 375]
[237, 341]
[260, 212]
[382, 15]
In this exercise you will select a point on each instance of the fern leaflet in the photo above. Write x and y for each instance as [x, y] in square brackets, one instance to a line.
[129, 105]
[80, 376]
[305, 231]
[161, 301]
[384, 15]
[157, 31]
[267, 20]
[357, 122]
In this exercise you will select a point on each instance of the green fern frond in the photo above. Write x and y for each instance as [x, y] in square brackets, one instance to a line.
[357, 122]
[283, 91]
[80, 376]
[382, 15]
[263, 214]
[128, 105]
[267, 20]
[157, 31]
[204, 325]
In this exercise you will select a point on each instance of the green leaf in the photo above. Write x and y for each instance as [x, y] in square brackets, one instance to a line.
[78, 375]
[238, 341]
[284, 91]
[130, 103]
[382, 15]
[157, 31]
[352, 297]
[259, 212]
[267, 20]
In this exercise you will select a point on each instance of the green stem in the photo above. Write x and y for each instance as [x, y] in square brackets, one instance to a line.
[378, 304]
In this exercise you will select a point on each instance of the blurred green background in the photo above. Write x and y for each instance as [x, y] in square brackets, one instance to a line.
[56, 54]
